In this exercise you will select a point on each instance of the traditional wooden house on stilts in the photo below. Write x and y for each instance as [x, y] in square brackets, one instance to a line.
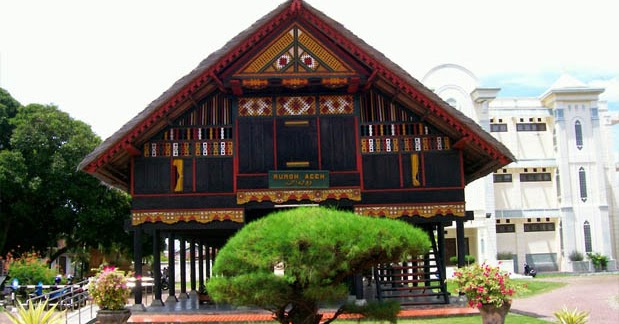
[296, 110]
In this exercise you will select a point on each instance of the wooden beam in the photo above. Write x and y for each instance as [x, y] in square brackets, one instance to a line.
[461, 143]
[353, 86]
[131, 150]
[237, 90]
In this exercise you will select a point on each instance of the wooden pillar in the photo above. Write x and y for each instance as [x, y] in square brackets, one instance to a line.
[137, 265]
[183, 268]
[358, 284]
[192, 263]
[210, 256]
[171, 269]
[460, 242]
[200, 266]
[440, 237]
[157, 270]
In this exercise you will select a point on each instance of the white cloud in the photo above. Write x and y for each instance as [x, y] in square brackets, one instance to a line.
[611, 93]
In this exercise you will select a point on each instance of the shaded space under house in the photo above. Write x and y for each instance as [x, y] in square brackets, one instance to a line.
[296, 110]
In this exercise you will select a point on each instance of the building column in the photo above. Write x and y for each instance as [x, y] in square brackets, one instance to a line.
[200, 266]
[208, 258]
[358, 287]
[192, 262]
[171, 269]
[137, 268]
[183, 269]
[157, 301]
[460, 242]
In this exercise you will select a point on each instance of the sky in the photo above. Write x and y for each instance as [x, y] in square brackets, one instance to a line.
[104, 61]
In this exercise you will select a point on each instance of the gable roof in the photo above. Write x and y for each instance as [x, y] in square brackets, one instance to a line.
[110, 161]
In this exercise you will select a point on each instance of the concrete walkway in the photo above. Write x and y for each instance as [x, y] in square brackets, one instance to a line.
[596, 293]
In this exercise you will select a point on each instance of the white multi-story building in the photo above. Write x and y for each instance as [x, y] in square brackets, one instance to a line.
[560, 197]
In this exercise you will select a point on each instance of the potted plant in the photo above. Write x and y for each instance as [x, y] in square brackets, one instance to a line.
[488, 288]
[109, 291]
[599, 261]
[566, 316]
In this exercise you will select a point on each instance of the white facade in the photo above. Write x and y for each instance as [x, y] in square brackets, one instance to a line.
[560, 196]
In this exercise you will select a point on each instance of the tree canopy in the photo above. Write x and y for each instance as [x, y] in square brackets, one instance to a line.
[44, 197]
[317, 248]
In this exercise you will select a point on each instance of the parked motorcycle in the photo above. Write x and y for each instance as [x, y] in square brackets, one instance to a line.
[529, 271]
[164, 279]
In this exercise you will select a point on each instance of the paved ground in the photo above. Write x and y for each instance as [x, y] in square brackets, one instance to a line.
[597, 294]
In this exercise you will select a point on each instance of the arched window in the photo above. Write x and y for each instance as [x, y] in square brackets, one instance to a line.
[578, 133]
[587, 232]
[582, 177]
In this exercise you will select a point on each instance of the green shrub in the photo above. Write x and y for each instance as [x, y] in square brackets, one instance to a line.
[505, 255]
[565, 316]
[468, 259]
[576, 256]
[30, 269]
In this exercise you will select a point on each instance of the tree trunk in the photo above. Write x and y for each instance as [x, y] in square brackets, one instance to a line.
[304, 313]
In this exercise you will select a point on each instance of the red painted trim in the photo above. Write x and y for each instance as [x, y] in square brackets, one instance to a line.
[353, 85]
[194, 175]
[422, 164]
[183, 209]
[189, 194]
[358, 150]
[412, 189]
[235, 158]
[266, 174]
[292, 189]
[319, 143]
[131, 150]
[401, 171]
[343, 172]
[411, 204]
[172, 175]
[461, 143]
[370, 80]
[237, 90]
[275, 142]
[132, 177]
[462, 180]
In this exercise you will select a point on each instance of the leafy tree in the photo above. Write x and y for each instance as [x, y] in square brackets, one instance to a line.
[318, 249]
[43, 196]
[8, 109]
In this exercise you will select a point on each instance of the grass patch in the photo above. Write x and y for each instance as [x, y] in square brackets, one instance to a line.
[537, 286]
[554, 275]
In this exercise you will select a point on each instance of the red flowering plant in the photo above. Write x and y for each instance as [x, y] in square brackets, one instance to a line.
[484, 284]
[109, 289]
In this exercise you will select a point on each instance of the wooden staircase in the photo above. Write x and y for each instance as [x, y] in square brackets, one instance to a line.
[418, 281]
